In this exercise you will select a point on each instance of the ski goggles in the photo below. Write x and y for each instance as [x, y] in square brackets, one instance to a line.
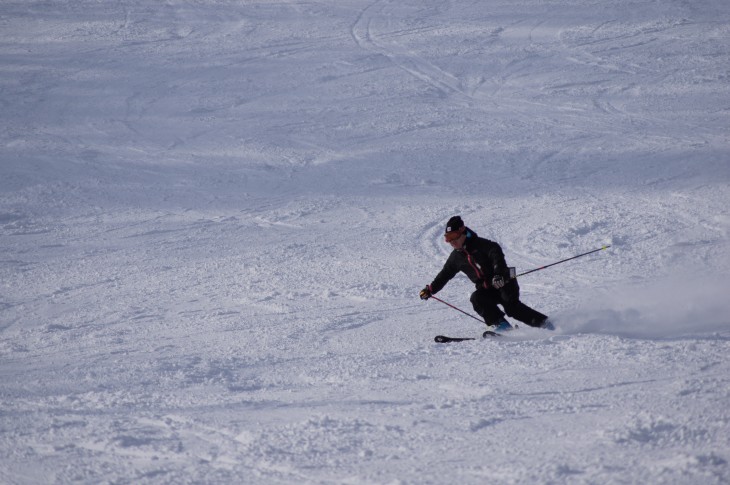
[452, 236]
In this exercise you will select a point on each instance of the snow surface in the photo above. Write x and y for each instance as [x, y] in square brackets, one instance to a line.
[215, 218]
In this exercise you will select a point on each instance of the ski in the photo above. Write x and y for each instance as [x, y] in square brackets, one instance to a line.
[443, 339]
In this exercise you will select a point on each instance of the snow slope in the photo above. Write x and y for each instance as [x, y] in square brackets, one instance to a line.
[215, 218]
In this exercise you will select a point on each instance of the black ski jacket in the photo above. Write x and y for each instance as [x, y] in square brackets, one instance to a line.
[479, 259]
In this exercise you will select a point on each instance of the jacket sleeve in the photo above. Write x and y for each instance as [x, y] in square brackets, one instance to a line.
[447, 272]
[498, 265]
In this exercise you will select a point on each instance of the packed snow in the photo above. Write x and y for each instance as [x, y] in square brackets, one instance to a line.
[216, 216]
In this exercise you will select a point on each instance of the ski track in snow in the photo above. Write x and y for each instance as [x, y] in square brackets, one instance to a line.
[215, 218]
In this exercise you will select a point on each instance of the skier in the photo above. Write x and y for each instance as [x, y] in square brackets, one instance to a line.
[483, 263]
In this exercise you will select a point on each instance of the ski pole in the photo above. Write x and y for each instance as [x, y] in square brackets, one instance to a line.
[458, 309]
[563, 261]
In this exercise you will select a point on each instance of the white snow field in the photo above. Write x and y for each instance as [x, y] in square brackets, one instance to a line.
[216, 216]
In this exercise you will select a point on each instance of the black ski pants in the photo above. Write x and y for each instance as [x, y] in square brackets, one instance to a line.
[485, 301]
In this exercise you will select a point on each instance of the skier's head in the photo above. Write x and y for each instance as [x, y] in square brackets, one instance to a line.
[454, 224]
[455, 233]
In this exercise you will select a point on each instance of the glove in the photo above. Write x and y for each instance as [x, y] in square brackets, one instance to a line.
[498, 282]
[425, 293]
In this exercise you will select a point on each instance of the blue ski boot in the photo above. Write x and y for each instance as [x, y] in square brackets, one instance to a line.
[502, 326]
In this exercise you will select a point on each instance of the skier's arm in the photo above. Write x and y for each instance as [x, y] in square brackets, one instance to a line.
[497, 261]
[447, 272]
